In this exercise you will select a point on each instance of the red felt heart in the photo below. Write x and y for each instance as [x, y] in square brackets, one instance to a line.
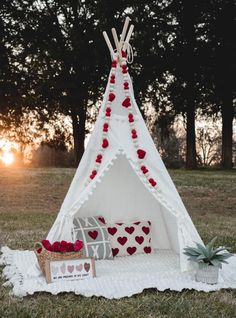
[122, 240]
[147, 249]
[98, 160]
[129, 229]
[108, 114]
[126, 85]
[105, 126]
[146, 229]
[141, 153]
[112, 81]
[131, 250]
[112, 76]
[139, 239]
[111, 97]
[144, 169]
[70, 268]
[99, 156]
[102, 220]
[134, 136]
[152, 182]
[114, 63]
[93, 234]
[126, 102]
[108, 109]
[124, 67]
[94, 172]
[124, 71]
[131, 115]
[112, 230]
[131, 120]
[115, 251]
[133, 131]
[105, 143]
[123, 53]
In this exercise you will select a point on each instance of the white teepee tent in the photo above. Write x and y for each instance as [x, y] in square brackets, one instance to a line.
[121, 175]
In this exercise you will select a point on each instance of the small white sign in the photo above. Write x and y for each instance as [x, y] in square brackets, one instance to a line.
[74, 269]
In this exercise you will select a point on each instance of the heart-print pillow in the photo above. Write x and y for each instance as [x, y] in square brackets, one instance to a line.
[131, 238]
[93, 232]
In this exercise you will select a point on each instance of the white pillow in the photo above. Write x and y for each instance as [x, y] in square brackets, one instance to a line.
[131, 238]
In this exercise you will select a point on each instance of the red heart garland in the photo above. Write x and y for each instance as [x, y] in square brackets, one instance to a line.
[144, 169]
[93, 234]
[99, 159]
[114, 63]
[126, 85]
[105, 143]
[147, 249]
[134, 133]
[131, 118]
[152, 182]
[131, 250]
[111, 97]
[123, 53]
[141, 153]
[126, 102]
[93, 174]
[115, 251]
[105, 127]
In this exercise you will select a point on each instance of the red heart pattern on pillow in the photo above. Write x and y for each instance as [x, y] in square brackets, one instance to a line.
[129, 239]
[147, 249]
[122, 240]
[112, 230]
[129, 229]
[139, 239]
[115, 251]
[146, 229]
[102, 220]
[131, 250]
[93, 234]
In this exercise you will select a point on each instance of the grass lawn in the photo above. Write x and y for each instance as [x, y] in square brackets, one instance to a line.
[29, 202]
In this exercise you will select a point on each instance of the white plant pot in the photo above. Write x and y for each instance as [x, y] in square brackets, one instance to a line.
[207, 274]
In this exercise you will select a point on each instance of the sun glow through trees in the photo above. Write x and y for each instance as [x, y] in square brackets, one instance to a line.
[6, 152]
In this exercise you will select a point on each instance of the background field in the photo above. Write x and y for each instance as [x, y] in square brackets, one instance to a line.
[29, 202]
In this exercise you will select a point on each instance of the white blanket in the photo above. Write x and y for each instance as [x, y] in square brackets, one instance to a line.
[121, 277]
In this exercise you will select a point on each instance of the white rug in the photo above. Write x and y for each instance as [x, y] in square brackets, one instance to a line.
[124, 276]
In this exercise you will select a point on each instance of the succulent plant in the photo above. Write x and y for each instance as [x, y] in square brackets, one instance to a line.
[208, 254]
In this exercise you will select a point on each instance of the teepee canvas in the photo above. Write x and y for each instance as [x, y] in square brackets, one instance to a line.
[121, 174]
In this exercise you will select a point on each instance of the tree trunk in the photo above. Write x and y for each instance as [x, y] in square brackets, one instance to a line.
[78, 124]
[227, 131]
[191, 160]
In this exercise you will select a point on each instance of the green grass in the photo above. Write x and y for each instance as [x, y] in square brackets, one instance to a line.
[29, 202]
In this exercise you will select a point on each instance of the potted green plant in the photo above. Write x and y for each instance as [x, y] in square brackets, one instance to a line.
[209, 260]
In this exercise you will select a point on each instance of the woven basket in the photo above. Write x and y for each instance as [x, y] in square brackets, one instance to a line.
[46, 255]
